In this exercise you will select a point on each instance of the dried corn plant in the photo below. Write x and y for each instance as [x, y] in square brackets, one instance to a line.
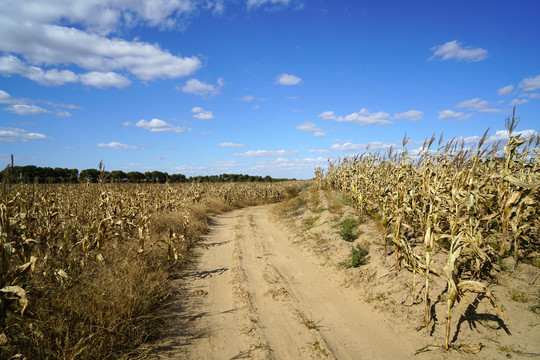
[53, 237]
[471, 204]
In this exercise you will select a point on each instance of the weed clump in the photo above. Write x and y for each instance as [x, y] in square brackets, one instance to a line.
[348, 229]
[359, 256]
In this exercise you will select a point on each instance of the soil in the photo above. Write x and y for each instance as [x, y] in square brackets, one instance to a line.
[267, 287]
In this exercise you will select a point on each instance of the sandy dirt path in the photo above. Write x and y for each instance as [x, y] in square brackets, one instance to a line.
[254, 294]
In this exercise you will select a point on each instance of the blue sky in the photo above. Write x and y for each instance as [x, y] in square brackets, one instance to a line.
[264, 87]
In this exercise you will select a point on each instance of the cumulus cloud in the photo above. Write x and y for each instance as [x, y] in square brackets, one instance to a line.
[8, 134]
[200, 113]
[287, 79]
[22, 109]
[530, 84]
[505, 90]
[267, 153]
[157, 125]
[413, 115]
[231, 145]
[119, 146]
[362, 117]
[59, 33]
[454, 50]
[197, 87]
[450, 114]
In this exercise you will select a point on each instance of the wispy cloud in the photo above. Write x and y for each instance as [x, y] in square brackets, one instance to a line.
[8, 134]
[288, 79]
[231, 145]
[21, 109]
[413, 115]
[362, 117]
[454, 50]
[450, 114]
[477, 104]
[518, 102]
[309, 126]
[267, 153]
[505, 90]
[530, 84]
[119, 146]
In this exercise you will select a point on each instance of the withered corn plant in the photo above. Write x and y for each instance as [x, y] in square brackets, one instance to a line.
[471, 203]
[83, 267]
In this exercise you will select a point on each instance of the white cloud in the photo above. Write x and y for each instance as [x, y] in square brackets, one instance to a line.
[308, 127]
[26, 109]
[362, 117]
[197, 87]
[266, 153]
[10, 64]
[413, 115]
[66, 33]
[5, 98]
[473, 104]
[530, 84]
[454, 50]
[202, 114]
[21, 135]
[348, 146]
[477, 104]
[450, 114]
[532, 96]
[275, 4]
[319, 151]
[61, 105]
[127, 123]
[287, 79]
[518, 102]
[319, 134]
[105, 79]
[231, 145]
[118, 146]
[62, 113]
[505, 90]
[157, 125]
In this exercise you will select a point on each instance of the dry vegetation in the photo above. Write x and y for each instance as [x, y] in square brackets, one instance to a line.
[452, 212]
[85, 267]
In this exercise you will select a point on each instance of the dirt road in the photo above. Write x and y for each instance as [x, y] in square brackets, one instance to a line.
[254, 294]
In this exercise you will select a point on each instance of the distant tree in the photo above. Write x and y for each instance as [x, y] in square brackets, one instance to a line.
[135, 176]
[89, 175]
[118, 176]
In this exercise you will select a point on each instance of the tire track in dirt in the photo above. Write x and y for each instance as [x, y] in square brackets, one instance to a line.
[255, 295]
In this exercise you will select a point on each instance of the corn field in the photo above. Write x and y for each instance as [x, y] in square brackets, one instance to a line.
[466, 206]
[52, 235]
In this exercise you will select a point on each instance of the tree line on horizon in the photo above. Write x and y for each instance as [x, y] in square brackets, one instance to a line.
[42, 175]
